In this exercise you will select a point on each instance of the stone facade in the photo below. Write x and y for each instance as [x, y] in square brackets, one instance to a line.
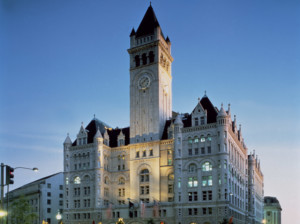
[45, 197]
[166, 167]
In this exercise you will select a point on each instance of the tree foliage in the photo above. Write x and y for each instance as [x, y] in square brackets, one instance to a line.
[21, 211]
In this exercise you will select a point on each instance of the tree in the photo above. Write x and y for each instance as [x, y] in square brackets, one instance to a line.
[21, 211]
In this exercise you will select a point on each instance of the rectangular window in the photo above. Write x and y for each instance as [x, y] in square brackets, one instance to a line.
[190, 152]
[204, 211]
[142, 190]
[209, 211]
[60, 195]
[190, 211]
[48, 202]
[49, 194]
[209, 181]
[202, 120]
[196, 121]
[137, 154]
[170, 162]
[147, 188]
[209, 195]
[196, 151]
[144, 153]
[61, 187]
[49, 185]
[151, 152]
[204, 181]
[209, 149]
[202, 150]
[195, 211]
[170, 188]
[48, 210]
[219, 147]
[204, 195]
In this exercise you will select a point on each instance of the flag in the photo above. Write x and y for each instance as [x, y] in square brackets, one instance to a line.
[143, 207]
[155, 209]
[131, 207]
[230, 220]
[108, 211]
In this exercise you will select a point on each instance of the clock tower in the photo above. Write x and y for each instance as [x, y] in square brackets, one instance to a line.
[150, 80]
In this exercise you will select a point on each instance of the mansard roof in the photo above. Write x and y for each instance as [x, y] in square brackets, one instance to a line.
[113, 136]
[148, 24]
[212, 112]
[92, 129]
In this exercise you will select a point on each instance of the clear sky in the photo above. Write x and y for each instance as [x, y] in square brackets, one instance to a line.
[61, 62]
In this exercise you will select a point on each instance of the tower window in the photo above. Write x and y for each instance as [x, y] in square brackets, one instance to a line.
[144, 59]
[137, 60]
[151, 56]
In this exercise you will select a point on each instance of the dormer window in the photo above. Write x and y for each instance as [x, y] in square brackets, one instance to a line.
[196, 121]
[202, 120]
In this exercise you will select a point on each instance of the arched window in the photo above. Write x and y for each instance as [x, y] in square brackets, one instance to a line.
[190, 140]
[192, 168]
[206, 166]
[196, 139]
[77, 180]
[151, 56]
[121, 181]
[137, 60]
[106, 180]
[144, 175]
[144, 59]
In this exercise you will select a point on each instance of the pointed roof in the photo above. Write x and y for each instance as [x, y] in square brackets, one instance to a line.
[211, 110]
[98, 133]
[148, 24]
[222, 112]
[68, 140]
[178, 120]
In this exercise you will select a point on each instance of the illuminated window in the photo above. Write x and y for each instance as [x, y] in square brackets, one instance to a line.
[77, 180]
[206, 166]
[208, 138]
[204, 181]
[192, 182]
[190, 140]
[209, 181]
[196, 140]
[202, 139]
[67, 180]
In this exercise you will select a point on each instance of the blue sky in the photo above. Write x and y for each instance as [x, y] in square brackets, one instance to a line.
[61, 62]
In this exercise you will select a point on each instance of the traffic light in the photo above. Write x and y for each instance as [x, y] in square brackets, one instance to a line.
[9, 175]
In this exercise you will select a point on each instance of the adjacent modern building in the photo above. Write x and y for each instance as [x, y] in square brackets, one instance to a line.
[272, 210]
[45, 197]
[166, 167]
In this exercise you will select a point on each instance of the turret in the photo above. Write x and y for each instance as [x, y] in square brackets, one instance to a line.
[67, 142]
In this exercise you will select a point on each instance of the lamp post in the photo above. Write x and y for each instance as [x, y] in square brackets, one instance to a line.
[8, 179]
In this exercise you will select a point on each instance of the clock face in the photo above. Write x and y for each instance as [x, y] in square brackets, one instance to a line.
[144, 82]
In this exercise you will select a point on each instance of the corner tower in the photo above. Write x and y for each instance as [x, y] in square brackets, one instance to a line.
[150, 80]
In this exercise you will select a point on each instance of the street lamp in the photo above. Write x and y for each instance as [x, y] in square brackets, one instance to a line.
[263, 221]
[59, 217]
[34, 169]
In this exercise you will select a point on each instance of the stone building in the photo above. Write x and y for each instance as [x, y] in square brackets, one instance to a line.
[272, 210]
[166, 167]
[45, 196]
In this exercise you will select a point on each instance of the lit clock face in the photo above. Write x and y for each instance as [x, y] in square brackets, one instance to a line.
[144, 82]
